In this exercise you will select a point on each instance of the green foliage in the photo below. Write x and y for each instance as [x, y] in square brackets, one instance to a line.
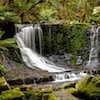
[46, 15]
[6, 43]
[96, 14]
[53, 11]
[59, 41]
[96, 10]
[77, 38]
[4, 46]
[7, 16]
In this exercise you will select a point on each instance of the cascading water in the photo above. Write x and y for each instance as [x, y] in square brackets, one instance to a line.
[26, 36]
[69, 76]
[94, 49]
[26, 41]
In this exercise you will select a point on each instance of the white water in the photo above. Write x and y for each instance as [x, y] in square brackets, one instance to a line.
[69, 76]
[94, 49]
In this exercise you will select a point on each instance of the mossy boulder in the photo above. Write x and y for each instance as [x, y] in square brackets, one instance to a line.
[31, 95]
[83, 82]
[73, 91]
[49, 96]
[42, 92]
[89, 87]
[12, 94]
[3, 84]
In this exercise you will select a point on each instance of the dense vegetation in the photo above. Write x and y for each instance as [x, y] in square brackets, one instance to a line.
[50, 11]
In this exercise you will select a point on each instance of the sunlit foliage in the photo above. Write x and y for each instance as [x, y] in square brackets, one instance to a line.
[55, 11]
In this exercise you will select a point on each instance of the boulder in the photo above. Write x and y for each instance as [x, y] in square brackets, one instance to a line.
[49, 96]
[46, 94]
[73, 91]
[12, 94]
[89, 87]
[3, 84]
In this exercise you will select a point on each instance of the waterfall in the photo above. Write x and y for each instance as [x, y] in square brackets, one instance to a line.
[94, 47]
[25, 37]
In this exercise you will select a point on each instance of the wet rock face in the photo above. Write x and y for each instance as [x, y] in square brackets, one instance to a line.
[25, 75]
[63, 60]
[31, 80]
[11, 58]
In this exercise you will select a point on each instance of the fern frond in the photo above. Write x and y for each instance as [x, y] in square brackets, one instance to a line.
[1, 34]
[7, 41]
[2, 48]
[5, 44]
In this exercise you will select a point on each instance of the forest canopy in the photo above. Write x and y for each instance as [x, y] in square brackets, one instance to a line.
[50, 11]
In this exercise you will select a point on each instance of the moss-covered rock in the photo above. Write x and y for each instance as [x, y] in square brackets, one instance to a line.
[12, 94]
[44, 94]
[83, 82]
[49, 96]
[73, 91]
[3, 84]
[89, 87]
[31, 95]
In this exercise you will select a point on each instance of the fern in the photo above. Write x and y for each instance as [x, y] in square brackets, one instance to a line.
[2, 68]
[6, 43]
[1, 34]
[4, 46]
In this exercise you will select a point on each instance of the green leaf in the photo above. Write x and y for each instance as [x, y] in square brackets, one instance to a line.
[2, 48]
[96, 10]
[1, 34]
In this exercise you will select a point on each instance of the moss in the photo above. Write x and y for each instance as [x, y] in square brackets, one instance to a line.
[82, 83]
[12, 94]
[72, 91]
[31, 95]
[44, 94]
[3, 84]
[49, 96]
[89, 87]
[97, 83]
